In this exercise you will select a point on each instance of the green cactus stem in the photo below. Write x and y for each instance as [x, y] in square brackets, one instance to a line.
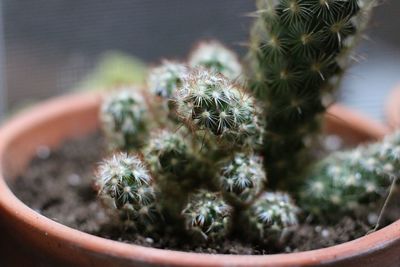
[167, 152]
[164, 79]
[299, 50]
[125, 119]
[124, 181]
[345, 182]
[243, 178]
[211, 104]
[207, 216]
[170, 157]
[270, 215]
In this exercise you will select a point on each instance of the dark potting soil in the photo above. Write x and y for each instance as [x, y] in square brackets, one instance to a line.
[58, 185]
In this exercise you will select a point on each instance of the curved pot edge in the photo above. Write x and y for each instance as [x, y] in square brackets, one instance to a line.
[340, 119]
[392, 108]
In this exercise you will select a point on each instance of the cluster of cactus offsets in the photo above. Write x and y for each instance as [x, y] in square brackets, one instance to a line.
[299, 50]
[204, 159]
[124, 118]
[346, 181]
[204, 150]
[215, 56]
[125, 182]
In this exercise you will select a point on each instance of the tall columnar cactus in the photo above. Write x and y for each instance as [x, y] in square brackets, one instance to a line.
[346, 181]
[243, 178]
[125, 118]
[270, 215]
[298, 52]
[125, 181]
[216, 57]
[208, 216]
[211, 104]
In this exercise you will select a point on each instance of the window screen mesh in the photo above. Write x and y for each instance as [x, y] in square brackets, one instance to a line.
[48, 46]
[51, 45]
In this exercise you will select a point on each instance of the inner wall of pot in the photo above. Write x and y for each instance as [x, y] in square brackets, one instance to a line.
[45, 127]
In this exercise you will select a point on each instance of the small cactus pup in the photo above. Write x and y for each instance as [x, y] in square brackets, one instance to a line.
[175, 157]
[125, 183]
[350, 182]
[210, 104]
[299, 50]
[170, 157]
[125, 119]
[270, 216]
[167, 152]
[208, 216]
[218, 58]
[242, 179]
[164, 79]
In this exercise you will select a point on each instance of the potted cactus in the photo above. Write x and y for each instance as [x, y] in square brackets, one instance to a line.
[207, 171]
[214, 150]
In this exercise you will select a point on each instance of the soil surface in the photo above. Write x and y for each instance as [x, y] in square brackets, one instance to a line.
[58, 185]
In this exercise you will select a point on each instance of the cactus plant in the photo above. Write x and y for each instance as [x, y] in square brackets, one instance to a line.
[206, 155]
[175, 156]
[270, 215]
[171, 156]
[243, 178]
[210, 103]
[216, 57]
[199, 183]
[125, 181]
[124, 118]
[299, 50]
[345, 181]
[208, 214]
[167, 152]
[164, 79]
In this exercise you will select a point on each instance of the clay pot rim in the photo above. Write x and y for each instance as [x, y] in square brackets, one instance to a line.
[392, 108]
[13, 207]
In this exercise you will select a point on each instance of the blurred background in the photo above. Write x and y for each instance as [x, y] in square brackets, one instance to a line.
[48, 47]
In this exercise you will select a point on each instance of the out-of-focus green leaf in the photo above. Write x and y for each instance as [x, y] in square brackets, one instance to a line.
[115, 69]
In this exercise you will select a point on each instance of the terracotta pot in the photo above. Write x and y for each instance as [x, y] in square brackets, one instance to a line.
[29, 237]
[393, 108]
